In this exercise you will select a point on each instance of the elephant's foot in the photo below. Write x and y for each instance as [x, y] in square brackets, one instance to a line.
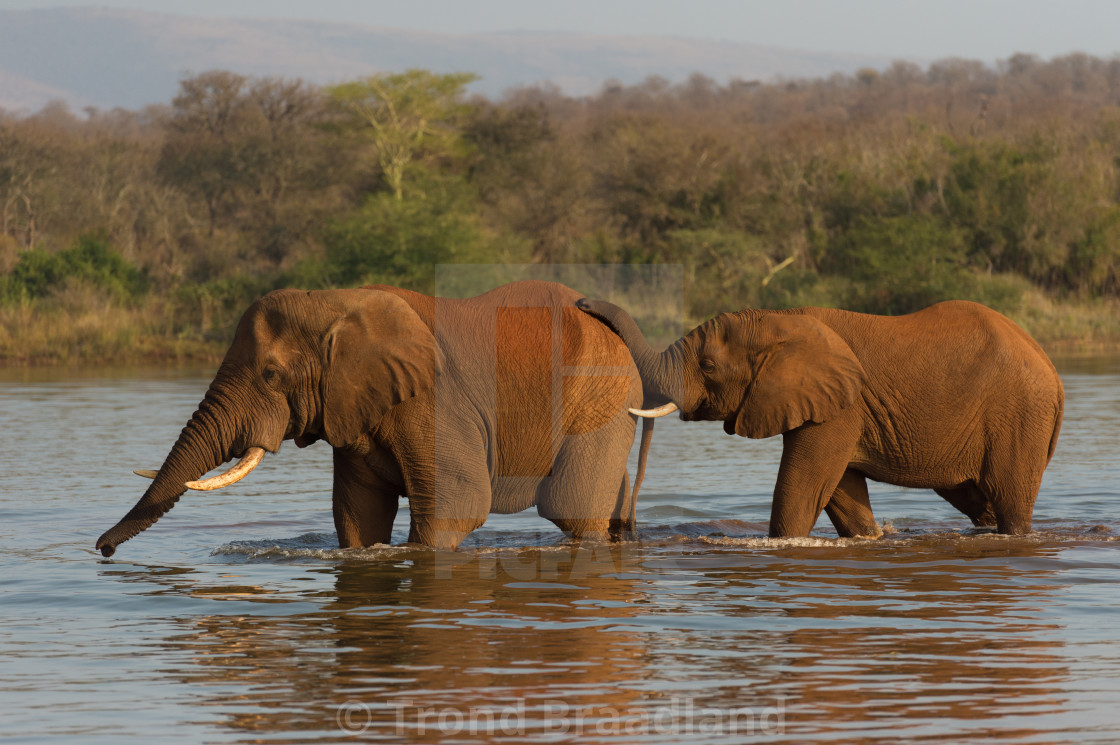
[1014, 509]
[874, 530]
[442, 534]
[596, 530]
[985, 520]
[622, 530]
[1013, 524]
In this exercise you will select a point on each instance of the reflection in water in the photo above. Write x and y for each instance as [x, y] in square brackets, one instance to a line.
[905, 643]
[897, 638]
[422, 630]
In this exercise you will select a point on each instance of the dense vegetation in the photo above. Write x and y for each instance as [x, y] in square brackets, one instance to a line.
[144, 234]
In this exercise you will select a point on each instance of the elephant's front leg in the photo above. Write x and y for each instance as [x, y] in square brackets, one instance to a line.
[849, 508]
[814, 460]
[365, 503]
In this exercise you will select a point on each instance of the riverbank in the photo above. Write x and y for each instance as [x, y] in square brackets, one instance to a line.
[104, 335]
[155, 334]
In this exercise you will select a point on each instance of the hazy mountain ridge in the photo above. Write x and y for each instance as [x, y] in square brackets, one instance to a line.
[110, 57]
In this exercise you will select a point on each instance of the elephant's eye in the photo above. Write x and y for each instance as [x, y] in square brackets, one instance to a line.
[271, 375]
[707, 365]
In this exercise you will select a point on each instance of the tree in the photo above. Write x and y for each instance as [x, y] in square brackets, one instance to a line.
[255, 153]
[28, 155]
[410, 117]
[201, 154]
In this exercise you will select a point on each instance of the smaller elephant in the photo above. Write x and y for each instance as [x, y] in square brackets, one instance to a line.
[954, 398]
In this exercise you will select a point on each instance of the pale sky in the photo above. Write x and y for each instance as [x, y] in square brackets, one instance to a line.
[978, 29]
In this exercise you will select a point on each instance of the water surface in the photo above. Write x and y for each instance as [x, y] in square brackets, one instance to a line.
[236, 618]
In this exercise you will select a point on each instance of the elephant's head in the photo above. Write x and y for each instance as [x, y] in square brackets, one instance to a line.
[759, 372]
[303, 366]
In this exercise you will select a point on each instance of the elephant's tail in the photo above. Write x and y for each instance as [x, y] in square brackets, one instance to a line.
[643, 454]
[1057, 420]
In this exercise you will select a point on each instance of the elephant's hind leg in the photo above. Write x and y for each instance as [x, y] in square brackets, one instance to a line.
[587, 495]
[971, 500]
[849, 508]
[1013, 506]
[1011, 476]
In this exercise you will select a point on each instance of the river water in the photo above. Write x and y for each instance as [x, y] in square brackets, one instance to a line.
[235, 618]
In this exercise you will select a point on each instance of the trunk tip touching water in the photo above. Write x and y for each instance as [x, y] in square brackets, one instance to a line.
[139, 518]
[198, 449]
[151, 508]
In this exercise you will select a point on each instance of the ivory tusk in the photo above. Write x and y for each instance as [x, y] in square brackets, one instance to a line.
[146, 473]
[668, 408]
[247, 463]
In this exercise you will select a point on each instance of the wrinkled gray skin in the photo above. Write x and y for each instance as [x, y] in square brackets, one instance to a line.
[954, 398]
[490, 404]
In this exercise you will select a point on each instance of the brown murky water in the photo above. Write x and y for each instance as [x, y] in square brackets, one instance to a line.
[235, 620]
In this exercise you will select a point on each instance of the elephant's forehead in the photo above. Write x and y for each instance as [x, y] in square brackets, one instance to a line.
[265, 324]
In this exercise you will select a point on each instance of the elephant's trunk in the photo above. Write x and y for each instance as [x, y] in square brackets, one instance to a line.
[661, 371]
[202, 445]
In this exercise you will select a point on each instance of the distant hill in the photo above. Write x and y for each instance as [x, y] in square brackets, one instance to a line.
[110, 57]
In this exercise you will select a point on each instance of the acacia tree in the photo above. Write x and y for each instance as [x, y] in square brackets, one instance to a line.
[410, 117]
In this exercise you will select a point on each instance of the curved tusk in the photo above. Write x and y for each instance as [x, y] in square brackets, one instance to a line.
[146, 473]
[247, 463]
[668, 408]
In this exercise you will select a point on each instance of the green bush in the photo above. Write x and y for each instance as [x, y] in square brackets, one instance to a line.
[898, 264]
[399, 241]
[210, 310]
[40, 273]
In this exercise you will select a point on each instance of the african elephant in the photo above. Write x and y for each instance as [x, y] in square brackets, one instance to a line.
[954, 398]
[490, 404]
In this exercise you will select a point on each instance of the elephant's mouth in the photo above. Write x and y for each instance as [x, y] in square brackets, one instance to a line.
[705, 411]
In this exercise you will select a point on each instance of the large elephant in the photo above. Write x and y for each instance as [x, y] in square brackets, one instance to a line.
[954, 398]
[491, 404]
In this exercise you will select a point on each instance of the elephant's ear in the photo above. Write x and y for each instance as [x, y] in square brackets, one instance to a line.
[803, 372]
[377, 355]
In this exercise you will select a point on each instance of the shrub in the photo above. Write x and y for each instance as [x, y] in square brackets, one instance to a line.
[39, 273]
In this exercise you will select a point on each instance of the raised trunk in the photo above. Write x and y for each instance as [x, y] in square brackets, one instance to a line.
[661, 371]
[202, 446]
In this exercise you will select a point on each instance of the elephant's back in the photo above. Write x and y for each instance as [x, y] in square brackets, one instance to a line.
[598, 378]
[979, 327]
[529, 293]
